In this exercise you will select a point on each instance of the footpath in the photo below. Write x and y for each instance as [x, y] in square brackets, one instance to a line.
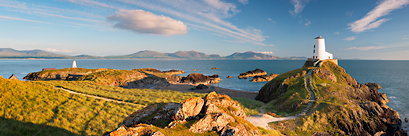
[263, 119]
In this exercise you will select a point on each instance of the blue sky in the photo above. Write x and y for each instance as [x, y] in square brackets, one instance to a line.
[365, 29]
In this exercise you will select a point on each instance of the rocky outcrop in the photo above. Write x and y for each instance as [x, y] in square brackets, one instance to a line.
[256, 72]
[214, 112]
[197, 78]
[174, 72]
[215, 68]
[229, 77]
[13, 77]
[61, 74]
[264, 78]
[373, 85]
[325, 74]
[201, 86]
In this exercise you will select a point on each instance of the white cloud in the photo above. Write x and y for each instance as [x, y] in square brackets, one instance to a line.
[269, 19]
[20, 19]
[265, 52]
[298, 6]
[366, 48]
[308, 22]
[244, 2]
[204, 16]
[405, 38]
[370, 20]
[58, 50]
[139, 21]
[336, 32]
[350, 38]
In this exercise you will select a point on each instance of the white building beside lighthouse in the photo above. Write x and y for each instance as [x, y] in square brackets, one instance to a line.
[319, 49]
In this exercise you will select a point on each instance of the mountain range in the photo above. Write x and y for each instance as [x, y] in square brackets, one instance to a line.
[9, 53]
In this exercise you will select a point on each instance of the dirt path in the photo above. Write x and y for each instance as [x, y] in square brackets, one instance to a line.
[97, 97]
[263, 119]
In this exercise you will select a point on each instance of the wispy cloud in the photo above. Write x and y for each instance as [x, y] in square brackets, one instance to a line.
[366, 48]
[298, 6]
[350, 38]
[269, 19]
[58, 50]
[307, 22]
[244, 2]
[371, 20]
[336, 32]
[265, 52]
[139, 21]
[405, 38]
[21, 19]
[91, 3]
[349, 13]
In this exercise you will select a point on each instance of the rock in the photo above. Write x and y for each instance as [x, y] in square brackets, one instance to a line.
[325, 74]
[229, 77]
[202, 86]
[256, 72]
[138, 130]
[373, 85]
[197, 78]
[264, 78]
[174, 78]
[220, 114]
[13, 77]
[157, 133]
[214, 68]
[152, 70]
[321, 134]
[189, 108]
[174, 72]
[60, 74]
[406, 119]
[381, 134]
[194, 69]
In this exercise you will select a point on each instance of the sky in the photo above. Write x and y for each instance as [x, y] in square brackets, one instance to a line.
[353, 29]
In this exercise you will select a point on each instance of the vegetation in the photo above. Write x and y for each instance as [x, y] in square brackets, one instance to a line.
[250, 106]
[138, 96]
[331, 104]
[113, 77]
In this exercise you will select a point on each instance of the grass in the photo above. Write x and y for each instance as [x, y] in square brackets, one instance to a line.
[138, 96]
[250, 107]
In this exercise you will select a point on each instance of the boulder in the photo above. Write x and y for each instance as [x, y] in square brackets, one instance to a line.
[256, 72]
[147, 82]
[194, 69]
[264, 78]
[229, 77]
[13, 77]
[197, 78]
[215, 68]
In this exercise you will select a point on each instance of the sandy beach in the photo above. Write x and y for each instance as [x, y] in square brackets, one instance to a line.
[188, 88]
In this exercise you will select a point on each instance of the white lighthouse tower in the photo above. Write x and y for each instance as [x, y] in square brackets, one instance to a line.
[74, 64]
[319, 49]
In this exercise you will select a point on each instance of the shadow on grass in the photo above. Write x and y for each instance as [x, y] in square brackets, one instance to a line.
[10, 127]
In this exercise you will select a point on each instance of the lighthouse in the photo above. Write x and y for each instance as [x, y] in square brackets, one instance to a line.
[74, 64]
[319, 49]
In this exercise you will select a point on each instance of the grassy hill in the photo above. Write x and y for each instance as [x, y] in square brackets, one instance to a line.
[11, 53]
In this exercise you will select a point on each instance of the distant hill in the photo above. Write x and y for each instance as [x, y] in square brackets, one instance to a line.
[259, 56]
[147, 54]
[12, 53]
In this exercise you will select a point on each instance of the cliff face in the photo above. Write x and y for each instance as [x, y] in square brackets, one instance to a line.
[214, 114]
[342, 107]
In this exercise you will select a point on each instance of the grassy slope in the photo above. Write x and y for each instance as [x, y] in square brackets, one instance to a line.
[330, 103]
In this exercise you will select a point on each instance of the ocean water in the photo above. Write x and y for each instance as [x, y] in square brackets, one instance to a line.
[393, 76]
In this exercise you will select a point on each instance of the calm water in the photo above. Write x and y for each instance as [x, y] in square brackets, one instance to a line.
[393, 76]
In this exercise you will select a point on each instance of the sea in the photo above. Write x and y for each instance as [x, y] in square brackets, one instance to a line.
[392, 75]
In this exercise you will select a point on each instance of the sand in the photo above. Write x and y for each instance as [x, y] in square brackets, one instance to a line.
[188, 88]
